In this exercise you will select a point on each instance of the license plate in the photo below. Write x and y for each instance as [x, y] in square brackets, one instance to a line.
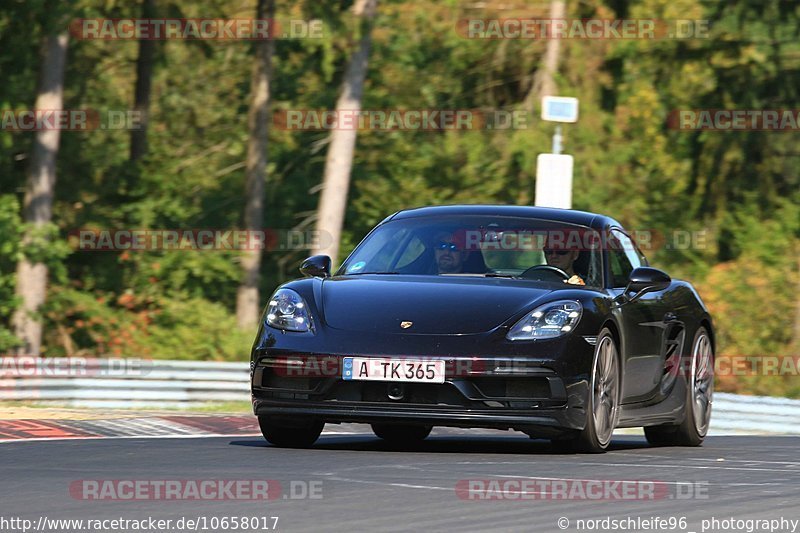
[385, 369]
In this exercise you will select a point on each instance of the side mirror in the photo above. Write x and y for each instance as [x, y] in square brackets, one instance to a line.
[316, 266]
[647, 279]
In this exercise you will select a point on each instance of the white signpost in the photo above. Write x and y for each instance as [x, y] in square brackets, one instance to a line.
[554, 180]
[554, 171]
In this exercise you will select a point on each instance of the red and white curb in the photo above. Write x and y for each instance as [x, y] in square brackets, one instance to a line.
[176, 426]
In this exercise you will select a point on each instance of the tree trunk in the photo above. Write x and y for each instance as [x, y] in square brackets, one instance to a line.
[144, 81]
[339, 161]
[38, 204]
[544, 83]
[247, 297]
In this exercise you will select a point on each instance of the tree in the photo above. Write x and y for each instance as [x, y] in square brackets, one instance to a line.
[247, 298]
[797, 307]
[38, 203]
[144, 82]
[544, 83]
[339, 160]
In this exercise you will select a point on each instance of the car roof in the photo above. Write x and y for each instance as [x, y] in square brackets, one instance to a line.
[568, 216]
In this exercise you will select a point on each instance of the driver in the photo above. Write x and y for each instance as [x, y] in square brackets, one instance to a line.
[564, 258]
[449, 252]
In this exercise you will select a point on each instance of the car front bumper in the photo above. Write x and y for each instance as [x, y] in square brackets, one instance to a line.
[532, 394]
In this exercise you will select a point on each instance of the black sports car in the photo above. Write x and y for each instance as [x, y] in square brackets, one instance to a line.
[545, 321]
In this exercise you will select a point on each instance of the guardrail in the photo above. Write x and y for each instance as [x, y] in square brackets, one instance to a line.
[112, 383]
[735, 413]
[120, 383]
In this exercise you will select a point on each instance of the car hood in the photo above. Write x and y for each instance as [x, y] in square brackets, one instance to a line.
[434, 305]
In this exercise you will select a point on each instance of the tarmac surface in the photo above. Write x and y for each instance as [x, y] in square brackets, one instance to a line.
[352, 481]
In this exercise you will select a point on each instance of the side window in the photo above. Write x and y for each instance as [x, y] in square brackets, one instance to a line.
[631, 252]
[619, 267]
[623, 257]
[642, 259]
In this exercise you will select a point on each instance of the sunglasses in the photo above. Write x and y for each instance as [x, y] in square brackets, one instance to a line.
[556, 252]
[453, 247]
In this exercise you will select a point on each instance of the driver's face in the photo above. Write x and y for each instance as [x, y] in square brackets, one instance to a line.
[562, 259]
[449, 256]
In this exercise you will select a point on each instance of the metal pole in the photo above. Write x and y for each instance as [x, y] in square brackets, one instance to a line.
[557, 140]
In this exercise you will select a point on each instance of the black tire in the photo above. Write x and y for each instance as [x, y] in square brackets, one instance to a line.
[402, 433]
[301, 435]
[602, 411]
[699, 392]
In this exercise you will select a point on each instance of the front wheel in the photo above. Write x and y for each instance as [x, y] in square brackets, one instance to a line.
[401, 433]
[604, 396]
[296, 435]
[699, 397]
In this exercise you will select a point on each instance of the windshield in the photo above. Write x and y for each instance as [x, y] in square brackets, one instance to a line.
[479, 246]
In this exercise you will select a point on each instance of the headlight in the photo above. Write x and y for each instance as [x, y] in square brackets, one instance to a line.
[287, 310]
[547, 321]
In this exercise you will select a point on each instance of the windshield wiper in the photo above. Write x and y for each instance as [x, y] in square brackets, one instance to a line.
[487, 275]
[364, 273]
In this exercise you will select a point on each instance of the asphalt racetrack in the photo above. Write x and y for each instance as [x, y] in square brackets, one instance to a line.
[352, 481]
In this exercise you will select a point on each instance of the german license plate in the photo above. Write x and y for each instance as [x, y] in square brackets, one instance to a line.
[386, 369]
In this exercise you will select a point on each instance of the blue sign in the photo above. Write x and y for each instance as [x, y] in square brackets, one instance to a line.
[559, 109]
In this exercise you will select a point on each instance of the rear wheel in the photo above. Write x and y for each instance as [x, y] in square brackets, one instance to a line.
[699, 398]
[401, 433]
[290, 435]
[603, 409]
